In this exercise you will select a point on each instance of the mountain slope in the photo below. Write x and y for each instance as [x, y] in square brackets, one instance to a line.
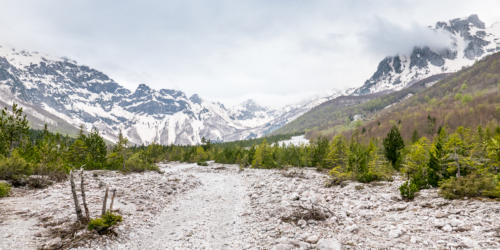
[470, 41]
[470, 97]
[398, 77]
[341, 113]
[65, 95]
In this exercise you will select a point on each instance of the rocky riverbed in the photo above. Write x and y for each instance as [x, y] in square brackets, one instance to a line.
[221, 207]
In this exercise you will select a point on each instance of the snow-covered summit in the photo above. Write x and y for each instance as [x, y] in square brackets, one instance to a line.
[470, 39]
[77, 95]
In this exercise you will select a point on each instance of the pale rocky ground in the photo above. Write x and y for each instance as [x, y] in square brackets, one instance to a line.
[221, 207]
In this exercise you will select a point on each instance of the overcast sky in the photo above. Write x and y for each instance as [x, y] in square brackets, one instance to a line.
[276, 52]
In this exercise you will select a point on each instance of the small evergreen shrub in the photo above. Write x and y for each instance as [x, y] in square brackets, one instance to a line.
[472, 185]
[370, 176]
[105, 223]
[408, 190]
[137, 163]
[337, 177]
[14, 168]
[202, 163]
[4, 189]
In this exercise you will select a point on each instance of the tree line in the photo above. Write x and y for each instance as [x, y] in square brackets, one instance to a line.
[25, 152]
[464, 162]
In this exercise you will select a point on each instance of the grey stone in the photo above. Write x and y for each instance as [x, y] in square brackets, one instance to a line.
[312, 239]
[447, 228]
[283, 246]
[328, 244]
[301, 223]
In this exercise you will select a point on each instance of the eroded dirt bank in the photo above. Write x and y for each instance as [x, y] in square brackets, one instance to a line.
[220, 207]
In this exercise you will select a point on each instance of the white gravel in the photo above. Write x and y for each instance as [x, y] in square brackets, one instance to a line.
[220, 207]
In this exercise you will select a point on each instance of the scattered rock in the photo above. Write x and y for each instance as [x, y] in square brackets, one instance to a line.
[301, 223]
[312, 239]
[282, 246]
[55, 243]
[352, 228]
[441, 215]
[395, 233]
[456, 223]
[328, 244]
[447, 228]
[413, 239]
[398, 207]
[301, 212]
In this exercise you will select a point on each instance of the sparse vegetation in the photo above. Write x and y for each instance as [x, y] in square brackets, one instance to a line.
[105, 223]
[473, 185]
[4, 189]
[408, 190]
[202, 163]
[49, 157]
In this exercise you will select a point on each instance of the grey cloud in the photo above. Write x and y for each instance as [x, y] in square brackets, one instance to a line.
[387, 38]
[225, 49]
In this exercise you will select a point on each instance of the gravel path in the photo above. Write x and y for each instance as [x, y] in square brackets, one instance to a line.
[207, 217]
[221, 207]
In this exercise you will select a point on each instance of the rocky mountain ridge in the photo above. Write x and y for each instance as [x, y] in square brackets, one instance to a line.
[64, 94]
[470, 39]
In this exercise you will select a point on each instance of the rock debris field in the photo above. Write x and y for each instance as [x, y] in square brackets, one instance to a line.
[220, 207]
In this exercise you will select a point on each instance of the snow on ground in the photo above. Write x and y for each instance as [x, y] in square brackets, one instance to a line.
[221, 207]
[295, 140]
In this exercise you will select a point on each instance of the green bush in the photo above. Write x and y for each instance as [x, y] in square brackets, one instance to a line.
[370, 176]
[136, 163]
[337, 176]
[14, 168]
[408, 190]
[104, 224]
[4, 189]
[56, 171]
[202, 163]
[472, 185]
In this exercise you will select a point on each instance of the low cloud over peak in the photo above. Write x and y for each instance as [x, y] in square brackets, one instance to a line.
[388, 38]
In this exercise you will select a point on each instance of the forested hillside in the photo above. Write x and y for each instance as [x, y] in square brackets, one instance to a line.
[345, 112]
[470, 97]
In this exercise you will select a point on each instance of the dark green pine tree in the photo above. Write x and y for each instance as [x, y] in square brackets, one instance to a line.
[436, 158]
[415, 136]
[96, 148]
[320, 150]
[13, 129]
[393, 144]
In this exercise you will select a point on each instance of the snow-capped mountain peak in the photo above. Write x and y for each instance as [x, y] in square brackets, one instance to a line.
[471, 40]
[64, 94]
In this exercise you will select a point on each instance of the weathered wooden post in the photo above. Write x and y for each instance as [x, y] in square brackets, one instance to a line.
[84, 200]
[78, 209]
[105, 201]
[112, 201]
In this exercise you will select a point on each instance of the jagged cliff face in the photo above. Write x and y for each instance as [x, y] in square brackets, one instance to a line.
[62, 93]
[471, 40]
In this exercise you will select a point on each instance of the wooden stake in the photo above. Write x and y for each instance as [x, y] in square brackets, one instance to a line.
[104, 202]
[82, 188]
[112, 201]
[78, 209]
